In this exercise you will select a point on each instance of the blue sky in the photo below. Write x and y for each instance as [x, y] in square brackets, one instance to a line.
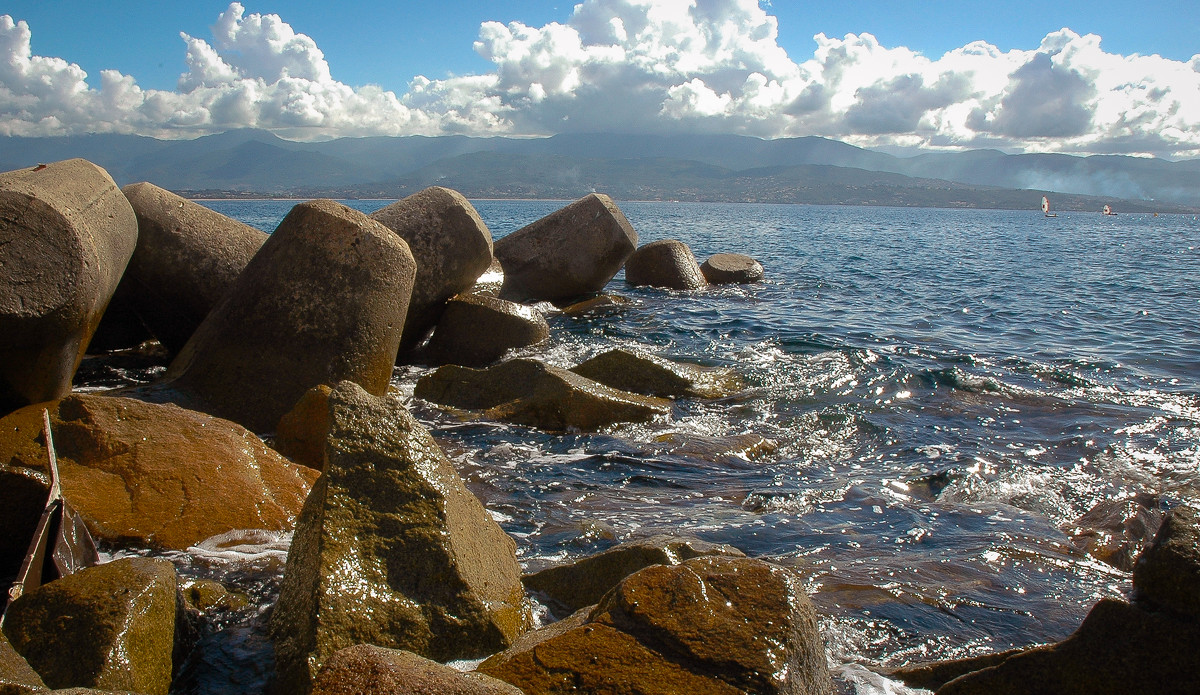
[906, 76]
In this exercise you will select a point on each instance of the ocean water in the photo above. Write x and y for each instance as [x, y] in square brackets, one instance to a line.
[948, 393]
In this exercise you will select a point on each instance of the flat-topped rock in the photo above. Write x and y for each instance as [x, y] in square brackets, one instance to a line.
[188, 256]
[451, 245]
[476, 330]
[529, 392]
[667, 263]
[730, 268]
[567, 254]
[67, 234]
[652, 375]
[324, 300]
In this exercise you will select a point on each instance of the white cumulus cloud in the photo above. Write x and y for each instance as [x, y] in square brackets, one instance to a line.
[639, 66]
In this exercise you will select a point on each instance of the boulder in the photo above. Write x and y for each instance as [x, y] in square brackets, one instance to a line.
[583, 583]
[528, 392]
[146, 475]
[322, 301]
[110, 627]
[656, 376]
[569, 253]
[935, 674]
[17, 677]
[366, 669]
[476, 330]
[301, 432]
[1118, 649]
[67, 234]
[729, 268]
[709, 625]
[1167, 575]
[187, 258]
[391, 549]
[1116, 530]
[667, 263]
[451, 245]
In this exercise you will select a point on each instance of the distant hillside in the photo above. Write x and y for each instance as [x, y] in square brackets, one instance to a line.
[673, 167]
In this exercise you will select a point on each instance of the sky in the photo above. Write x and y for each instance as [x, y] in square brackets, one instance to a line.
[1100, 77]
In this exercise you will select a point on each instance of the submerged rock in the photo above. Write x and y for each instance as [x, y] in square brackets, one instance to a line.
[148, 475]
[187, 258]
[598, 306]
[322, 301]
[656, 376]
[391, 549]
[450, 244]
[725, 449]
[476, 330]
[665, 263]
[1116, 530]
[569, 253]
[727, 268]
[366, 669]
[528, 392]
[67, 234]
[583, 583]
[709, 625]
[111, 626]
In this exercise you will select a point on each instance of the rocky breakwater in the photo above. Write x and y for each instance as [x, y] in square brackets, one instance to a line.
[325, 299]
[66, 235]
[392, 550]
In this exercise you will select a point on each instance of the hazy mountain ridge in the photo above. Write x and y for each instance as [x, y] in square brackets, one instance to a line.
[675, 167]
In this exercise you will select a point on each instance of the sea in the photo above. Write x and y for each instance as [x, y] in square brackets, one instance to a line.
[945, 396]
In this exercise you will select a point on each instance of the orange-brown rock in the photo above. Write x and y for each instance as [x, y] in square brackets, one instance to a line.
[300, 435]
[712, 624]
[584, 583]
[366, 669]
[151, 475]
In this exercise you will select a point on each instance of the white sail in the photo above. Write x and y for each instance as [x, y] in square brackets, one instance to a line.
[1045, 204]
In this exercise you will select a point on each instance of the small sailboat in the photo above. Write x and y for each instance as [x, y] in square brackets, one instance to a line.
[1107, 210]
[1046, 207]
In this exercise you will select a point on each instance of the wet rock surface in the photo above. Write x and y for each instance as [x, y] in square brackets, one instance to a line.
[476, 330]
[111, 626]
[391, 549]
[708, 625]
[67, 234]
[570, 587]
[569, 253]
[147, 475]
[324, 300]
[656, 376]
[369, 670]
[528, 392]
[727, 268]
[188, 256]
[450, 244]
[17, 677]
[666, 263]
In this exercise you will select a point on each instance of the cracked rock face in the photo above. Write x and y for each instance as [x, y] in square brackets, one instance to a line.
[146, 475]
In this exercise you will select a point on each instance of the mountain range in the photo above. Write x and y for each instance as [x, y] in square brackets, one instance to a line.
[245, 163]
